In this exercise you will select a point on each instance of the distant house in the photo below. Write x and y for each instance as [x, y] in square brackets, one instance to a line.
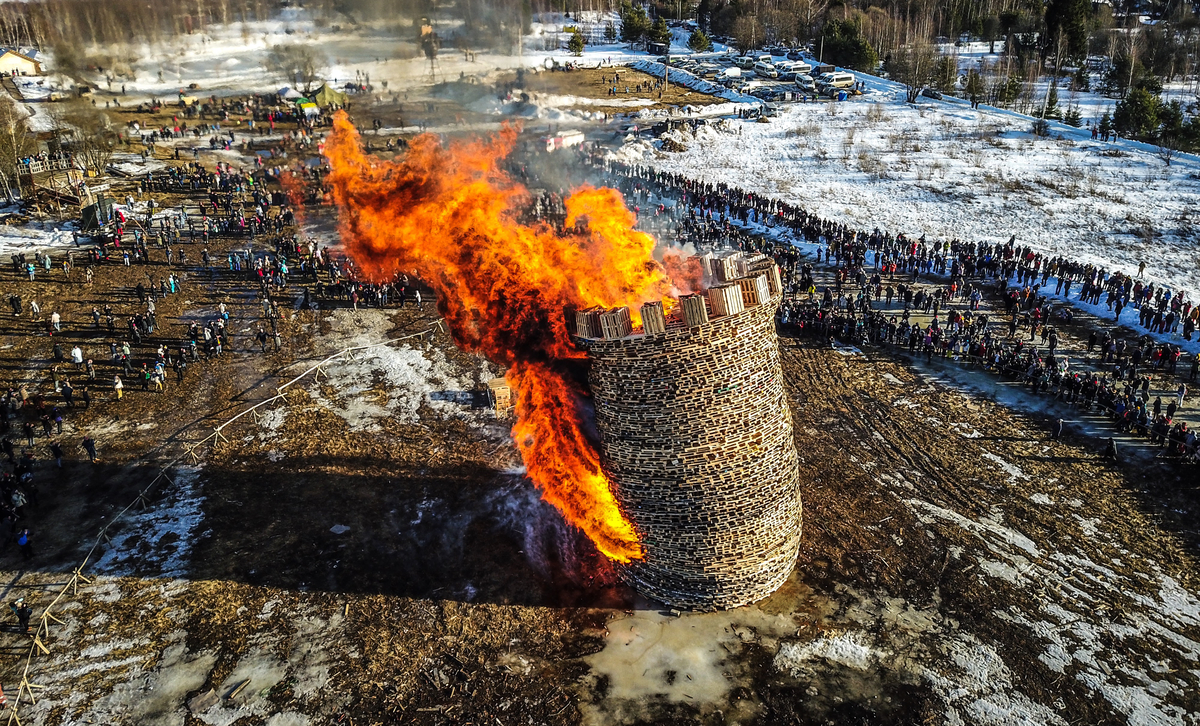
[13, 62]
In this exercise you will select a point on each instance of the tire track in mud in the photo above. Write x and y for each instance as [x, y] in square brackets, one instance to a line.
[955, 503]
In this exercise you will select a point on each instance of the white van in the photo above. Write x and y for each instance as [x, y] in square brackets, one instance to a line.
[765, 70]
[837, 79]
[805, 83]
[788, 70]
[745, 62]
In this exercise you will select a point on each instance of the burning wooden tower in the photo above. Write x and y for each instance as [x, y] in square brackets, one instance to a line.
[696, 437]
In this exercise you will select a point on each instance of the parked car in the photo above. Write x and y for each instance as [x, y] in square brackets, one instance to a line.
[745, 62]
[933, 93]
[795, 55]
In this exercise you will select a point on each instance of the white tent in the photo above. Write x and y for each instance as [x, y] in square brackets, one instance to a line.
[289, 93]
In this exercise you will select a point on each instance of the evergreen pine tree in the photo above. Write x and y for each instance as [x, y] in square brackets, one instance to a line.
[610, 33]
[1082, 80]
[1072, 117]
[1052, 111]
[575, 44]
[699, 42]
[660, 32]
[1106, 126]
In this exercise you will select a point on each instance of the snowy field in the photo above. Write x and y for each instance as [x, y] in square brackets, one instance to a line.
[947, 171]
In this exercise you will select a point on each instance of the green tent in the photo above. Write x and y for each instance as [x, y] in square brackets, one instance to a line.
[326, 96]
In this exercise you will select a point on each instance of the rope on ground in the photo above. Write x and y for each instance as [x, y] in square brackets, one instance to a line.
[26, 688]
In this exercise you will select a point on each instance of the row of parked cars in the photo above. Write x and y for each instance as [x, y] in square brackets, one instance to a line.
[764, 75]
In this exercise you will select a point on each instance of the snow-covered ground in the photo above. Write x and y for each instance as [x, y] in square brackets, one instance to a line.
[948, 171]
[1091, 104]
[35, 237]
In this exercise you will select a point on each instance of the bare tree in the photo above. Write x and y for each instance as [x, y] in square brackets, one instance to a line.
[807, 12]
[747, 33]
[1166, 145]
[16, 141]
[912, 65]
[296, 65]
[93, 137]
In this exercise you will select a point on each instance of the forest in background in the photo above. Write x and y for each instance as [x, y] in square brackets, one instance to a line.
[1074, 42]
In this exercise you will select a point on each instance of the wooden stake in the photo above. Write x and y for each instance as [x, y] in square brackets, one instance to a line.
[233, 694]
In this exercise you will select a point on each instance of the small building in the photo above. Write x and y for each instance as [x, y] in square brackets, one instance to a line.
[13, 62]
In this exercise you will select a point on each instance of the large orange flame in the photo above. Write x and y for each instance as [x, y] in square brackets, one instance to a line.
[446, 213]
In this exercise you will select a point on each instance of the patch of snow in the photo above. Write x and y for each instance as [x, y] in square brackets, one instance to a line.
[1014, 472]
[386, 381]
[158, 541]
[847, 649]
[1000, 570]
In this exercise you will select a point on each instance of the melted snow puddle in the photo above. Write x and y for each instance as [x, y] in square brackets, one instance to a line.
[651, 656]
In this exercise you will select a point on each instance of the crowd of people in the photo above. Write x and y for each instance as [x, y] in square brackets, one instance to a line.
[880, 283]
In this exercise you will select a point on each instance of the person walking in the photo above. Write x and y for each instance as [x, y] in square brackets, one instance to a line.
[1180, 394]
[117, 386]
[57, 452]
[89, 445]
[23, 613]
[23, 541]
